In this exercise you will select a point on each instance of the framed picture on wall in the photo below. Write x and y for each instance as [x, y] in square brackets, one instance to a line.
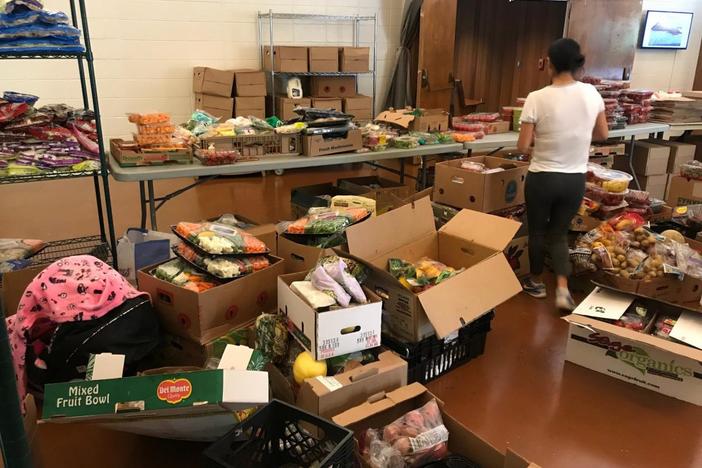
[666, 30]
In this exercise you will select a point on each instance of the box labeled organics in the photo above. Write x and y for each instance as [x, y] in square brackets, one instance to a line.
[201, 316]
[246, 106]
[354, 59]
[333, 86]
[649, 159]
[471, 240]
[218, 106]
[327, 103]
[249, 83]
[359, 106]
[291, 59]
[323, 59]
[212, 81]
[317, 145]
[381, 190]
[461, 188]
[334, 332]
[284, 106]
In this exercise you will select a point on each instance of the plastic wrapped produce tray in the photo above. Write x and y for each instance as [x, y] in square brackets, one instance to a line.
[274, 436]
[433, 357]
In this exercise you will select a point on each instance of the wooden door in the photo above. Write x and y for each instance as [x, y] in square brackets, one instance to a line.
[608, 32]
[437, 35]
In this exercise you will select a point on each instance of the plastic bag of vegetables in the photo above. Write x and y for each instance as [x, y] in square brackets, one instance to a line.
[220, 239]
[221, 266]
[421, 275]
[325, 221]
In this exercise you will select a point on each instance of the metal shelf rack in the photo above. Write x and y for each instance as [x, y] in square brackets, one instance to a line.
[356, 20]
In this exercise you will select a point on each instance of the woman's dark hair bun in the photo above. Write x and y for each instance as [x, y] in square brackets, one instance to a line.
[565, 56]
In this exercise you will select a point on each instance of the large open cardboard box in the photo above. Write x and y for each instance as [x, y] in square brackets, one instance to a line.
[334, 332]
[206, 315]
[381, 410]
[471, 240]
[645, 360]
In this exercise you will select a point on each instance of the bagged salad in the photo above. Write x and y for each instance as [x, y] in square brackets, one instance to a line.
[325, 221]
[181, 274]
[220, 266]
[220, 239]
[421, 275]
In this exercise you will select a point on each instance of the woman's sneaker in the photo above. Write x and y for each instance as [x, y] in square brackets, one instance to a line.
[534, 289]
[564, 301]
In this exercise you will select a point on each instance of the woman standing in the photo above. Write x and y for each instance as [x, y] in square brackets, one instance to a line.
[560, 120]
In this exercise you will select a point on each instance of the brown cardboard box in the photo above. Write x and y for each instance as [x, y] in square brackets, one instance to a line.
[383, 191]
[214, 82]
[649, 159]
[218, 106]
[299, 257]
[323, 59]
[317, 145]
[13, 286]
[333, 86]
[329, 396]
[680, 153]
[206, 315]
[471, 240]
[327, 103]
[431, 120]
[517, 253]
[457, 187]
[246, 106]
[683, 191]
[501, 126]
[383, 409]
[359, 106]
[654, 184]
[354, 59]
[286, 59]
[249, 83]
[284, 106]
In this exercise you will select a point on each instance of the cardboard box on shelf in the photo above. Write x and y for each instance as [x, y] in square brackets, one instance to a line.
[290, 59]
[218, 106]
[246, 106]
[494, 191]
[648, 361]
[284, 106]
[334, 332]
[383, 409]
[329, 396]
[359, 106]
[323, 59]
[430, 120]
[249, 83]
[517, 253]
[471, 240]
[683, 191]
[206, 315]
[649, 159]
[213, 82]
[333, 86]
[327, 103]
[299, 257]
[354, 59]
[680, 153]
[381, 190]
[317, 145]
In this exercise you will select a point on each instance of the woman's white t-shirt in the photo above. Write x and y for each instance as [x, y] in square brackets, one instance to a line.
[564, 118]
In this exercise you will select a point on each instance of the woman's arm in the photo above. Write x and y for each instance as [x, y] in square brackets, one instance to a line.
[526, 138]
[601, 130]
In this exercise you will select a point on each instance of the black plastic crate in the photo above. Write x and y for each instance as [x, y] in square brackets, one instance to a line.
[274, 436]
[433, 357]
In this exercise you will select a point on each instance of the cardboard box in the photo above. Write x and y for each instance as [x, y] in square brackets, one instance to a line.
[298, 257]
[333, 86]
[131, 158]
[284, 106]
[317, 145]
[517, 253]
[501, 126]
[381, 410]
[649, 159]
[660, 365]
[285, 59]
[381, 190]
[584, 223]
[471, 240]
[323, 59]
[246, 106]
[185, 405]
[206, 315]
[329, 396]
[312, 196]
[216, 105]
[683, 191]
[431, 120]
[354, 59]
[461, 188]
[359, 106]
[680, 153]
[334, 332]
[213, 82]
[327, 103]
[654, 184]
[249, 83]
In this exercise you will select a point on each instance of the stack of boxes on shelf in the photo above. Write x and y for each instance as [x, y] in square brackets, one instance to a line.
[230, 93]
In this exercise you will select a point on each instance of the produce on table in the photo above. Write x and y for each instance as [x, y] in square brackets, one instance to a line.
[220, 266]
[415, 439]
[481, 117]
[220, 239]
[405, 142]
[609, 179]
[325, 221]
[305, 367]
[213, 157]
[181, 274]
[272, 336]
[421, 275]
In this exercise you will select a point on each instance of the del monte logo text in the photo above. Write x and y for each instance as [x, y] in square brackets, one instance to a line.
[174, 391]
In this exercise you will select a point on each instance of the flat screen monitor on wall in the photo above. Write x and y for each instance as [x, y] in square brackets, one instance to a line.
[666, 30]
